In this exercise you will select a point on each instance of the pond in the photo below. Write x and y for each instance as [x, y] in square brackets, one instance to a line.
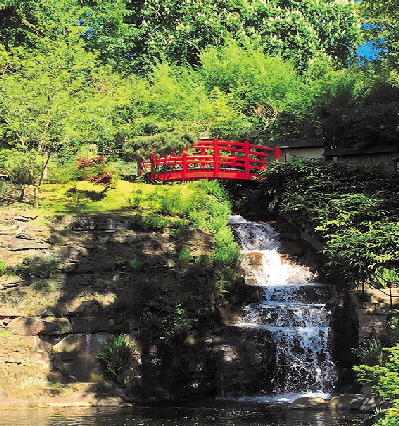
[211, 413]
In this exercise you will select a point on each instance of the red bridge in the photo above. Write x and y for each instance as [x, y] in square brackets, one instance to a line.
[211, 159]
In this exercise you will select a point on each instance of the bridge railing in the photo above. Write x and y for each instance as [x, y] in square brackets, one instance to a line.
[211, 159]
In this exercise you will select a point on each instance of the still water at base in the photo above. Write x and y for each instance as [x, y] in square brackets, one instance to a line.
[237, 414]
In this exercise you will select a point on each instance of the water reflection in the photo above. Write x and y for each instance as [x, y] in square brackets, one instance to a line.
[217, 415]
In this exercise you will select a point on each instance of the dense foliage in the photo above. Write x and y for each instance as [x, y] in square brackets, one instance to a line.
[132, 35]
[379, 367]
[352, 209]
[131, 76]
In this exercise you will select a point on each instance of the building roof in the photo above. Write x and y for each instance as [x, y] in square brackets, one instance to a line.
[372, 150]
[301, 143]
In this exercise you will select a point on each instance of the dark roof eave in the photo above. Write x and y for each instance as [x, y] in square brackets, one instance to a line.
[365, 151]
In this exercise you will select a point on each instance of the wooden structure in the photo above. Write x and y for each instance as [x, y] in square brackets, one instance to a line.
[211, 159]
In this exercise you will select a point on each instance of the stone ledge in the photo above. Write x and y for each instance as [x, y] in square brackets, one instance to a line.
[357, 402]
[32, 326]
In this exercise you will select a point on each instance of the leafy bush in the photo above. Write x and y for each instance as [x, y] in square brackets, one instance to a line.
[115, 355]
[384, 376]
[370, 352]
[9, 192]
[61, 170]
[380, 368]
[22, 166]
[37, 267]
[184, 255]
[352, 209]
[123, 169]
[225, 249]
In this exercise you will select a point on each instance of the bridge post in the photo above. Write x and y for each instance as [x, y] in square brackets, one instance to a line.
[153, 164]
[184, 164]
[247, 160]
[277, 154]
[216, 164]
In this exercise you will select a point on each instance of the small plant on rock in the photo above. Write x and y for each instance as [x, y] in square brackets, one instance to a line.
[3, 268]
[115, 356]
[370, 352]
[37, 267]
[124, 263]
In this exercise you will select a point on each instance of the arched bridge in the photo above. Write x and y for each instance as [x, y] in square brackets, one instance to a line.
[211, 159]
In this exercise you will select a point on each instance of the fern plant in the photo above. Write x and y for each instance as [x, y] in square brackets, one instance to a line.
[115, 356]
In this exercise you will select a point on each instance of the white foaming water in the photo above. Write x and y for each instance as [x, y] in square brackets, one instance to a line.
[293, 310]
[262, 262]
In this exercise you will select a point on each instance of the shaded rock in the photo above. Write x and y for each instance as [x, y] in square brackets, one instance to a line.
[89, 308]
[9, 282]
[20, 245]
[347, 402]
[26, 326]
[371, 403]
[99, 223]
[75, 356]
[30, 326]
[24, 218]
[241, 368]
[56, 326]
[80, 279]
[90, 324]
[25, 236]
[80, 343]
[306, 402]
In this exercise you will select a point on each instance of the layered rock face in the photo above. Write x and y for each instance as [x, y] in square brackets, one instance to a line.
[71, 280]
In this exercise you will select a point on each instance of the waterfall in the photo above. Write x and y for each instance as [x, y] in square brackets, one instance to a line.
[292, 310]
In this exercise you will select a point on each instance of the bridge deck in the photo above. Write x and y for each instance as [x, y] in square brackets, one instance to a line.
[211, 159]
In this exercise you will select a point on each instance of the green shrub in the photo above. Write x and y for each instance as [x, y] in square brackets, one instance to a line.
[37, 267]
[115, 355]
[353, 209]
[384, 377]
[178, 228]
[22, 166]
[122, 168]
[3, 267]
[391, 417]
[394, 331]
[61, 170]
[225, 248]
[127, 263]
[184, 255]
[370, 352]
[9, 192]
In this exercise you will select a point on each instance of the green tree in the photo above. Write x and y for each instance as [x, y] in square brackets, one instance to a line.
[352, 107]
[54, 100]
[381, 28]
[172, 106]
[301, 30]
[261, 86]
[180, 30]
[134, 35]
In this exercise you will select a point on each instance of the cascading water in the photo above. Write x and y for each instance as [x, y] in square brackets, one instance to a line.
[292, 309]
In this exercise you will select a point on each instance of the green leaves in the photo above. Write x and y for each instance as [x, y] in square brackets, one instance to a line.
[352, 209]
[384, 375]
[115, 355]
